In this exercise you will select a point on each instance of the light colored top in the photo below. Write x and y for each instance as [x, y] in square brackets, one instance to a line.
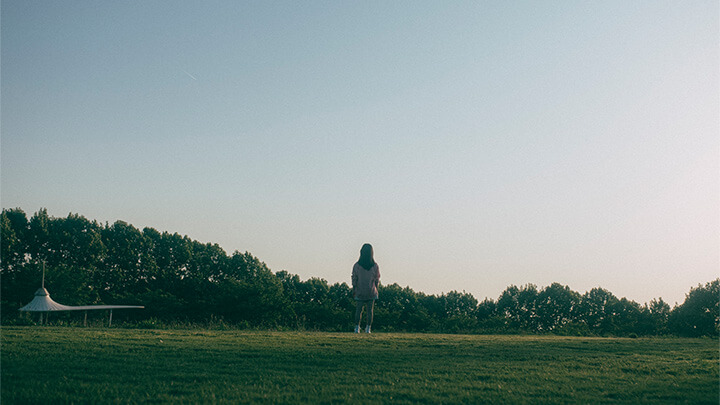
[365, 282]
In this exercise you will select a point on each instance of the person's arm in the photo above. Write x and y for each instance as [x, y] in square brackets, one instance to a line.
[377, 274]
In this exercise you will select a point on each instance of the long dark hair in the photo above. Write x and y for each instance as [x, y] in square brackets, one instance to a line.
[366, 260]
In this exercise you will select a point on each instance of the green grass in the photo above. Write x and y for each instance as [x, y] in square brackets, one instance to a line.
[76, 365]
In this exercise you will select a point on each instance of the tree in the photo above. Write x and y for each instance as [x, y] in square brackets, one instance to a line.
[657, 314]
[264, 300]
[518, 307]
[459, 311]
[38, 237]
[129, 264]
[13, 233]
[626, 317]
[172, 254]
[180, 279]
[557, 306]
[595, 310]
[699, 314]
[391, 307]
[17, 276]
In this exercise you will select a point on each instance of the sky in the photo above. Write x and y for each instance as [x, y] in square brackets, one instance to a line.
[475, 145]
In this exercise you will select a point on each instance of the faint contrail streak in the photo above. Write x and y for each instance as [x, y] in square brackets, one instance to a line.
[191, 76]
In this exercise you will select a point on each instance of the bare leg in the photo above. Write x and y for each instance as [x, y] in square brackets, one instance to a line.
[370, 306]
[358, 311]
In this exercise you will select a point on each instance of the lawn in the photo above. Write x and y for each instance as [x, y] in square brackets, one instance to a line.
[80, 365]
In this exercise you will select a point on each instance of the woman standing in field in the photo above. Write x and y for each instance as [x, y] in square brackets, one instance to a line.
[365, 279]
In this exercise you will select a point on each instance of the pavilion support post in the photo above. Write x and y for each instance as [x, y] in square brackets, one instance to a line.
[41, 318]
[85, 320]
[110, 321]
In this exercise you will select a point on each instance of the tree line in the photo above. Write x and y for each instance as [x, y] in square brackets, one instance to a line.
[180, 280]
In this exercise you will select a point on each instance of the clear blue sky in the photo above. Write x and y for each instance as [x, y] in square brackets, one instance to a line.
[474, 144]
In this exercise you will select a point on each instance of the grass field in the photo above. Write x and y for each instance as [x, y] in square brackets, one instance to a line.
[76, 365]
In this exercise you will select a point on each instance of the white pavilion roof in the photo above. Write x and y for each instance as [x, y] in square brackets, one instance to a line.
[43, 303]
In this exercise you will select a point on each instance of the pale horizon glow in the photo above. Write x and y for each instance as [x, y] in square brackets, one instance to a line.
[475, 145]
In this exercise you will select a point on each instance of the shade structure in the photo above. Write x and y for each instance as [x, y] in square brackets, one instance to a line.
[43, 303]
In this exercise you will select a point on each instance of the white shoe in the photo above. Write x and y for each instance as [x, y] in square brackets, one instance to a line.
[357, 329]
[367, 330]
